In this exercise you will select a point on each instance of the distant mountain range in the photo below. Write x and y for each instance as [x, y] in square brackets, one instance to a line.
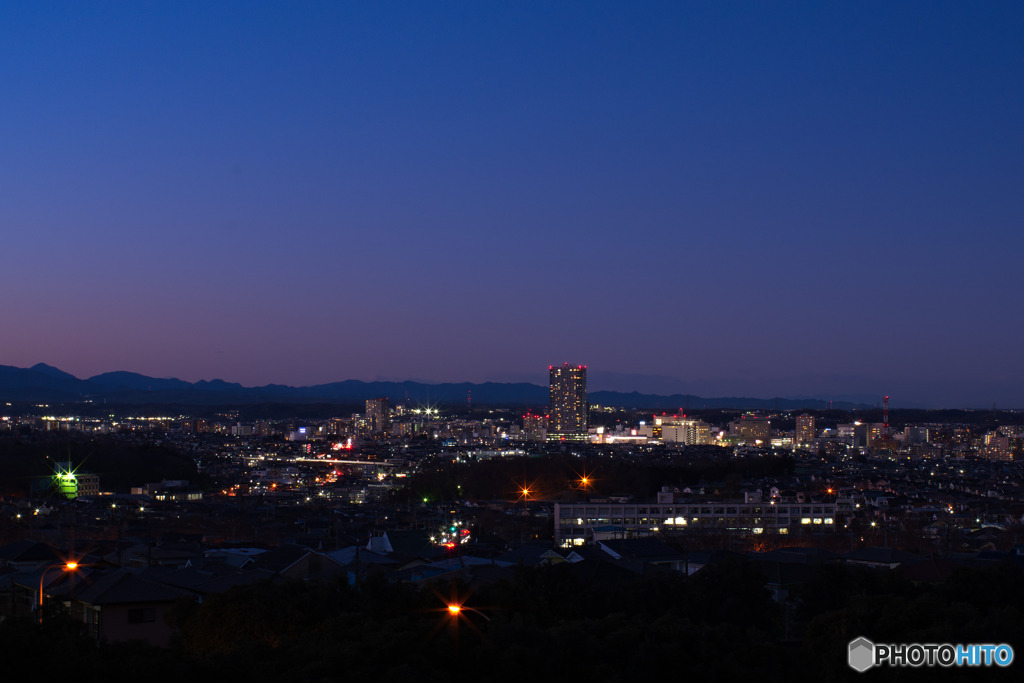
[45, 383]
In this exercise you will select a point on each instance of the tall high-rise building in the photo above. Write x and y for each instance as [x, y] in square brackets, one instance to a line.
[378, 414]
[804, 430]
[568, 413]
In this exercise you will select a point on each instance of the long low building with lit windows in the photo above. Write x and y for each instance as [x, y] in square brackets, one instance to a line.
[580, 523]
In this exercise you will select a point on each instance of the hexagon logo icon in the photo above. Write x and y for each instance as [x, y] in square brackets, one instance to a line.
[861, 654]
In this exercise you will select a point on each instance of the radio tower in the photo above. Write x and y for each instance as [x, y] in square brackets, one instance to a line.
[885, 418]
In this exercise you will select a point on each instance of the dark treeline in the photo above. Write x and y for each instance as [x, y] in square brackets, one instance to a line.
[27, 462]
[554, 623]
[556, 475]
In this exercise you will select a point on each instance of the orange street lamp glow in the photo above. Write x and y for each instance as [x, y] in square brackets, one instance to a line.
[66, 567]
[454, 609]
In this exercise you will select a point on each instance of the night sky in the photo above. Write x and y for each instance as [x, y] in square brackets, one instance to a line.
[761, 199]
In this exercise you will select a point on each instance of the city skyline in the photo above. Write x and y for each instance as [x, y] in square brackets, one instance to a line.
[724, 200]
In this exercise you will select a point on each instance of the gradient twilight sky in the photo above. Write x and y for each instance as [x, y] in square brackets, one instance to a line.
[763, 199]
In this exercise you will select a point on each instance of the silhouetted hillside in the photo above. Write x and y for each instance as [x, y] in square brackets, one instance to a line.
[43, 383]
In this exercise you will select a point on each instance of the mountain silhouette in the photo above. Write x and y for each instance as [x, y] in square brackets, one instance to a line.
[45, 383]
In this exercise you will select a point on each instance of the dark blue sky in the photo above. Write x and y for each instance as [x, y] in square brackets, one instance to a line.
[725, 198]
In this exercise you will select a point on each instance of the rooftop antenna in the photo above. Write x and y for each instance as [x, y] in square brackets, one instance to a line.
[885, 418]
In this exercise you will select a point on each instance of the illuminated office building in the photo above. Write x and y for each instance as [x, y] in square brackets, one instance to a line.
[535, 427]
[753, 430]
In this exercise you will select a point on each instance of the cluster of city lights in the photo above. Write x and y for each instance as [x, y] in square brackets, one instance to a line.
[425, 410]
[452, 535]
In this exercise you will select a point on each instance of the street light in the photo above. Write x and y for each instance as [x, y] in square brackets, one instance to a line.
[524, 493]
[65, 567]
[455, 609]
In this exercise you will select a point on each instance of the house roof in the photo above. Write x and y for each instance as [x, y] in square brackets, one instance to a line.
[876, 555]
[125, 587]
[796, 555]
[189, 578]
[27, 551]
[531, 554]
[222, 584]
[645, 549]
[282, 557]
[237, 558]
[178, 537]
[598, 571]
[349, 555]
[412, 543]
[785, 573]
